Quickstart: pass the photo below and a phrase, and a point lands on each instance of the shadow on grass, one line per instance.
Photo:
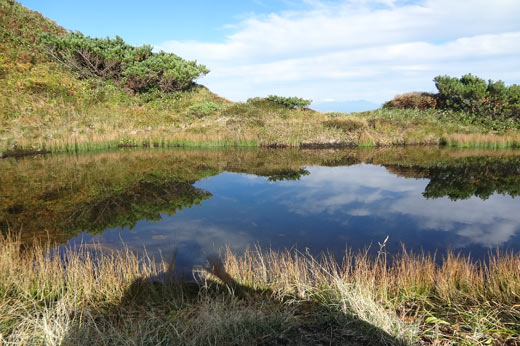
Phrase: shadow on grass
(216, 310)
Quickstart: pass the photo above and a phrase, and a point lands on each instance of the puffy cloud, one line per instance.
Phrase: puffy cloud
(361, 49)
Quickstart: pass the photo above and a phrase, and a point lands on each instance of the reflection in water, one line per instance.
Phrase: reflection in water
(464, 178)
(397, 205)
(427, 198)
(288, 174)
(144, 200)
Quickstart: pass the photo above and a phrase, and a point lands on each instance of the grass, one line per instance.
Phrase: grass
(409, 296)
(95, 296)
(483, 140)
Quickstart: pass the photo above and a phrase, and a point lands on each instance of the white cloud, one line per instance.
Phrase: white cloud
(193, 240)
(361, 49)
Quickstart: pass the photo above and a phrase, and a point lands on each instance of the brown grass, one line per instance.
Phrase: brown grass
(413, 100)
(409, 296)
(484, 140)
(87, 295)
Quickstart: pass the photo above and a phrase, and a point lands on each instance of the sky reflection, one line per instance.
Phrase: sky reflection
(328, 210)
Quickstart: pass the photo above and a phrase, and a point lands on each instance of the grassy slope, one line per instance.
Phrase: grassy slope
(43, 105)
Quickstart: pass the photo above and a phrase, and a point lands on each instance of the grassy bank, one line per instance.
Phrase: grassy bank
(88, 296)
(109, 124)
(46, 106)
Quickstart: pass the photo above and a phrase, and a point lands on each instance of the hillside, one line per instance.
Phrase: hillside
(46, 105)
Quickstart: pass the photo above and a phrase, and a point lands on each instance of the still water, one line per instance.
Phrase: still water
(196, 202)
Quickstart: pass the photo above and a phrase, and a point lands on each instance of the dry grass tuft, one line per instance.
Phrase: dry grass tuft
(83, 294)
(483, 140)
(408, 297)
(413, 100)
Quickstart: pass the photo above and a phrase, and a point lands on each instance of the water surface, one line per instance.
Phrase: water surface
(199, 201)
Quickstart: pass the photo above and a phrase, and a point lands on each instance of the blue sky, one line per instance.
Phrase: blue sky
(154, 22)
(343, 54)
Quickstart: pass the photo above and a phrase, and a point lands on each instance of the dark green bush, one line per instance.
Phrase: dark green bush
(471, 94)
(287, 102)
(136, 68)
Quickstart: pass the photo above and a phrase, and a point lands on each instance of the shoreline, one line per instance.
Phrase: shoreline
(173, 143)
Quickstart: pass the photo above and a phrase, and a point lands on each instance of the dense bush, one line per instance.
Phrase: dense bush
(413, 100)
(474, 95)
(205, 108)
(137, 68)
(472, 99)
(287, 102)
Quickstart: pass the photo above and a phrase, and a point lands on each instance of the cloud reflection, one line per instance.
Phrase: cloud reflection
(366, 190)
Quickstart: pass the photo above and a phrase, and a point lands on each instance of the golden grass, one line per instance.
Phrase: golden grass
(483, 140)
(87, 295)
(409, 296)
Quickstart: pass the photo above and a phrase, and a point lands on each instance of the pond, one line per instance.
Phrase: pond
(196, 202)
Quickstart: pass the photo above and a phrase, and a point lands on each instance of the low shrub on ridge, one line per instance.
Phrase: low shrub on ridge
(472, 99)
(472, 94)
(287, 102)
(136, 68)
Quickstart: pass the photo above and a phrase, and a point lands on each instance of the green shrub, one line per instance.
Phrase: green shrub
(287, 102)
(413, 100)
(136, 68)
(491, 100)
(206, 108)
(164, 70)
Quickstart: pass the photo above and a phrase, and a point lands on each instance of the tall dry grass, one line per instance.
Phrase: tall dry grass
(91, 296)
(409, 296)
(43, 293)
(483, 140)
(88, 295)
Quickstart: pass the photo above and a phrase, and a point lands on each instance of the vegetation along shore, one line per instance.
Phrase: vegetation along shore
(62, 91)
(92, 296)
